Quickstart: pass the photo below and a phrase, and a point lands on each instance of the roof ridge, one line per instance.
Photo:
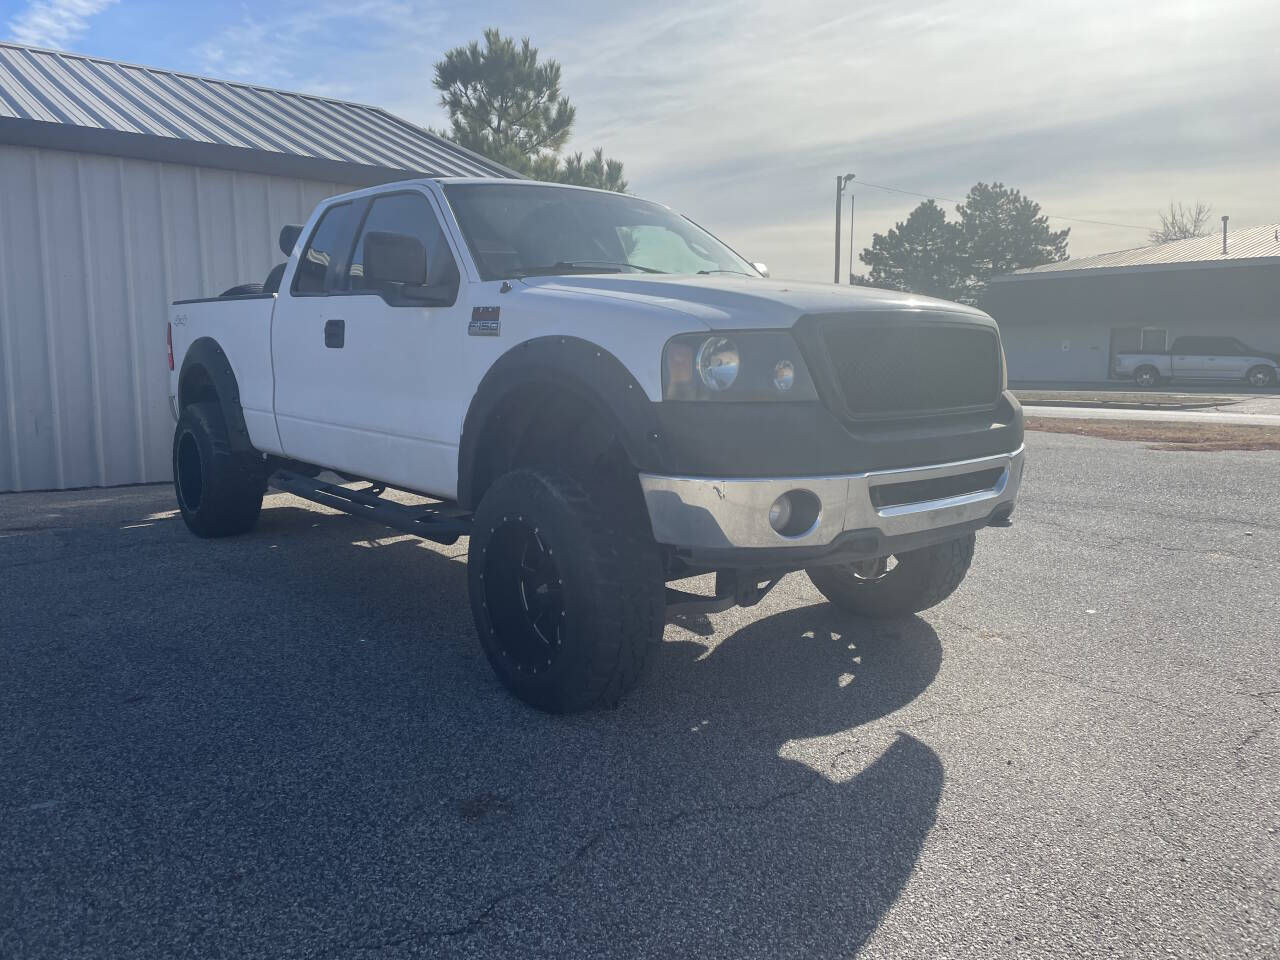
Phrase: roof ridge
(1106, 253)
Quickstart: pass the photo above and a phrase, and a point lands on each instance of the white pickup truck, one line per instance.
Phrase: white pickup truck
(1200, 358)
(606, 399)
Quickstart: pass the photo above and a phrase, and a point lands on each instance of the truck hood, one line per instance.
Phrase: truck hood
(725, 301)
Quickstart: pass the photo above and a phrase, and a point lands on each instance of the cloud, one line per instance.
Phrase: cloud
(742, 117)
(741, 112)
(55, 23)
(364, 50)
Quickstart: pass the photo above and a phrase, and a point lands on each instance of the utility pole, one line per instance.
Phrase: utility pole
(840, 185)
(853, 198)
(839, 191)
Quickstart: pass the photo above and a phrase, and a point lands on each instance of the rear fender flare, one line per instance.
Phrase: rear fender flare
(206, 357)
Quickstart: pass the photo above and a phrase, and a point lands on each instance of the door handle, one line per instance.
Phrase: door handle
(335, 333)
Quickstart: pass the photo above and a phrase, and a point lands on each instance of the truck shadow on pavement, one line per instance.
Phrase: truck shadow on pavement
(289, 744)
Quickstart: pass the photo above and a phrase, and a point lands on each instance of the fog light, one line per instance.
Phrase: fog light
(795, 514)
(780, 513)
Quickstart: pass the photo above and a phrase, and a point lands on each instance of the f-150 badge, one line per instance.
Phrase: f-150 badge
(485, 322)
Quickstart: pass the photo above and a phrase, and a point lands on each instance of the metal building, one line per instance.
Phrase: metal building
(1064, 322)
(123, 188)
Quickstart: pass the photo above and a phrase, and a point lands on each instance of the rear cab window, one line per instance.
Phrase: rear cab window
(323, 257)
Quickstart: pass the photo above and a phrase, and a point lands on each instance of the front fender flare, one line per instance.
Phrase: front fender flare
(570, 364)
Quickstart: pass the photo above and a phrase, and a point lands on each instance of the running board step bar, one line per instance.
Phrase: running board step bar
(440, 522)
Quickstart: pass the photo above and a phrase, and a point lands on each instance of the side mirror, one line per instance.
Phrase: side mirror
(395, 264)
(289, 234)
(764, 271)
(393, 258)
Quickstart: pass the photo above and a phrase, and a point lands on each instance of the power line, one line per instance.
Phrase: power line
(1051, 216)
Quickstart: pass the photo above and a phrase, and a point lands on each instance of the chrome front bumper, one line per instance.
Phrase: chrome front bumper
(713, 514)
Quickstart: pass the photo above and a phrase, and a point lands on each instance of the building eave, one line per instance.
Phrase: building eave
(1137, 268)
(141, 146)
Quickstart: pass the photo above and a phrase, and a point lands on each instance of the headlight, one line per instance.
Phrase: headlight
(742, 365)
(784, 375)
(717, 363)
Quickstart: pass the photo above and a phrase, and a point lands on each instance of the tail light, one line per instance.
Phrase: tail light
(168, 335)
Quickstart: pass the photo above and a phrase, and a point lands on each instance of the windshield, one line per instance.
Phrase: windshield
(522, 230)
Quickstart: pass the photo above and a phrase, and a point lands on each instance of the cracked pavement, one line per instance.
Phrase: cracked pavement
(290, 744)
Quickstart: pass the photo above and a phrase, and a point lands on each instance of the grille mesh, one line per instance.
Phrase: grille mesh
(904, 368)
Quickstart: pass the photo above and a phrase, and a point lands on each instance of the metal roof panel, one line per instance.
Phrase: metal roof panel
(95, 94)
(1247, 243)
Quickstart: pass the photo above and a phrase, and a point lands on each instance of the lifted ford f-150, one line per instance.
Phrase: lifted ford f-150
(606, 399)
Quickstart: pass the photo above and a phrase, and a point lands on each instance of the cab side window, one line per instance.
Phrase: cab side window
(1189, 346)
(405, 214)
(1217, 346)
(320, 260)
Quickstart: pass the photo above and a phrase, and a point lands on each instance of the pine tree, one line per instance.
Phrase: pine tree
(506, 104)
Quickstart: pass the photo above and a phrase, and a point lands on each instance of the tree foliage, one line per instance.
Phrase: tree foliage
(919, 254)
(1181, 222)
(998, 230)
(506, 104)
(1003, 231)
(598, 171)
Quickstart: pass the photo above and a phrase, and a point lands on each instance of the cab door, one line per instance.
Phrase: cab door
(1234, 360)
(1190, 359)
(307, 341)
(1219, 359)
(361, 384)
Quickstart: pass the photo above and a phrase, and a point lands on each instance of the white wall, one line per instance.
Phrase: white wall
(92, 251)
(1049, 352)
(1079, 352)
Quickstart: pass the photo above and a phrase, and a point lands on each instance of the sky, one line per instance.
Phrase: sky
(741, 114)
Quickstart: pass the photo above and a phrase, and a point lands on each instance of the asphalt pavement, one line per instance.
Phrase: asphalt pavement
(289, 745)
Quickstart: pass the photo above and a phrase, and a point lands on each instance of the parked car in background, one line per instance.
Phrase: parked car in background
(1200, 358)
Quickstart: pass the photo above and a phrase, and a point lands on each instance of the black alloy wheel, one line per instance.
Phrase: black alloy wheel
(566, 589)
(526, 596)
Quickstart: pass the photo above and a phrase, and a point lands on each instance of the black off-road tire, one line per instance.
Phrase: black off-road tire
(219, 492)
(922, 579)
(595, 558)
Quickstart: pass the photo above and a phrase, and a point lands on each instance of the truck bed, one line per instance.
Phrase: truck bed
(241, 329)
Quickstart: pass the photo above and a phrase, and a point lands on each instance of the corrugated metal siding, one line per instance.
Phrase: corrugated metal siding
(92, 250)
(55, 87)
(1247, 244)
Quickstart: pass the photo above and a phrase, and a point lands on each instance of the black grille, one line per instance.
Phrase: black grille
(919, 491)
(905, 368)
